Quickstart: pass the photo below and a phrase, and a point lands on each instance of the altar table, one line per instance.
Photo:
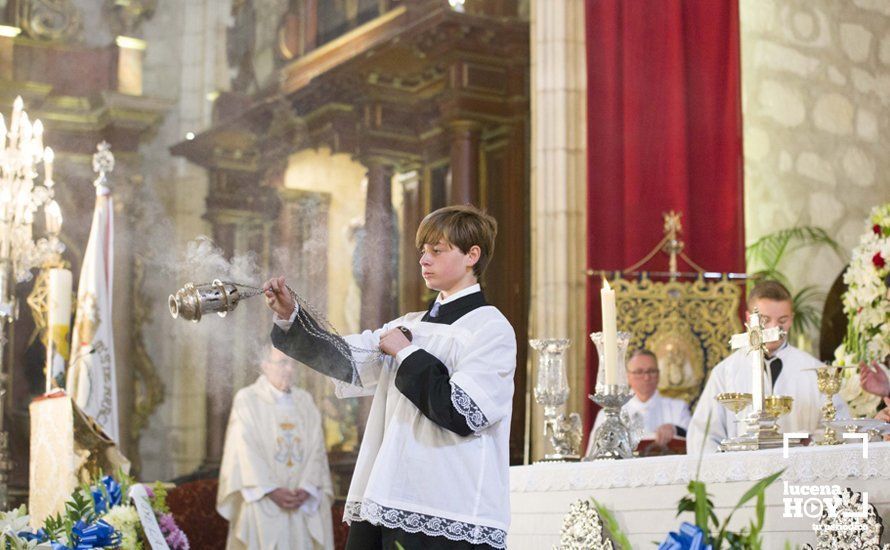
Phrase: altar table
(643, 493)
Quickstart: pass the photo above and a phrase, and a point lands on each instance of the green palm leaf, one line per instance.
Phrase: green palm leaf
(807, 304)
(611, 525)
(765, 255)
(769, 250)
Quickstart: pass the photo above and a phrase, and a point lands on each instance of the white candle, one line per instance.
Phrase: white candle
(58, 318)
(59, 300)
(53, 218)
(756, 368)
(17, 106)
(48, 157)
(610, 333)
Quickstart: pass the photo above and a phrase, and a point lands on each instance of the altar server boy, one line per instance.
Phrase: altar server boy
(432, 471)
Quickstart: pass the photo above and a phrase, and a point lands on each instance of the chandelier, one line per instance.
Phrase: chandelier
(21, 153)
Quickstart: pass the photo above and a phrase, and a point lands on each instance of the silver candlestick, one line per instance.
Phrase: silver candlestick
(552, 391)
(613, 439)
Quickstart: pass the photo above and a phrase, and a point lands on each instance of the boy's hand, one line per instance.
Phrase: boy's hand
(278, 297)
(393, 341)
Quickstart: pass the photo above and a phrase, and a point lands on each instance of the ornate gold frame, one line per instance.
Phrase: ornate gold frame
(686, 324)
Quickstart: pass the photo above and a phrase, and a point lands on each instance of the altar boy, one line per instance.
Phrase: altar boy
(432, 471)
(788, 372)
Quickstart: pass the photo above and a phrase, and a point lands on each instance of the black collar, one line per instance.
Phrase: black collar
(452, 311)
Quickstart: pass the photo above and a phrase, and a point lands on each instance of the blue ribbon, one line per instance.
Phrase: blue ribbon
(107, 495)
(87, 537)
(689, 537)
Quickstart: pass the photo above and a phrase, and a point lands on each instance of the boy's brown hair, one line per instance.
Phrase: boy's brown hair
(770, 290)
(462, 226)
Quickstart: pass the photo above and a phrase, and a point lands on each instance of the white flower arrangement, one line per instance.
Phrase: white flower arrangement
(125, 520)
(867, 306)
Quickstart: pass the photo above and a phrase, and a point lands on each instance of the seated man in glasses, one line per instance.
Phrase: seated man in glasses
(661, 418)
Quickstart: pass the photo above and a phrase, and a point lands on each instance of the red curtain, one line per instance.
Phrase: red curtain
(663, 132)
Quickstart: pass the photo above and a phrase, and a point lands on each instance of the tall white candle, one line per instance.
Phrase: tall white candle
(58, 318)
(610, 333)
(59, 297)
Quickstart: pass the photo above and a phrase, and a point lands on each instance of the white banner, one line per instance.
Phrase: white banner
(147, 517)
(91, 380)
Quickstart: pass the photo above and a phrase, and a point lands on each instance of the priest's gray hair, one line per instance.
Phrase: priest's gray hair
(643, 351)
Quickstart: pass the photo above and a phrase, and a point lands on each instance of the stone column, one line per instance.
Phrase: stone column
(558, 191)
(410, 282)
(465, 136)
(379, 270)
(219, 372)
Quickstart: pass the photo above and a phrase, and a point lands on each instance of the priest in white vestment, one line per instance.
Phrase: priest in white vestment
(660, 418)
(787, 372)
(275, 485)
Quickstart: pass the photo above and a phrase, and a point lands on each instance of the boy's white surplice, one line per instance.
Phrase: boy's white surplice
(414, 475)
(274, 439)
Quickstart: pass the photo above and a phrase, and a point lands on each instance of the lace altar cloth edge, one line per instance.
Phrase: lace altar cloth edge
(803, 465)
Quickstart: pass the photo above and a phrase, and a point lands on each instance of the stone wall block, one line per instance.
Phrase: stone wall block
(856, 41)
(868, 83)
(866, 125)
(859, 167)
(825, 208)
(811, 165)
(884, 50)
(836, 76)
(769, 55)
(805, 25)
(834, 113)
(880, 6)
(781, 103)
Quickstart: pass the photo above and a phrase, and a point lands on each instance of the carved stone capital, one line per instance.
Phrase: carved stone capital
(126, 16)
(52, 20)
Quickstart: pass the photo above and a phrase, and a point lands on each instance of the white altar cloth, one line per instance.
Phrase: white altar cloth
(643, 492)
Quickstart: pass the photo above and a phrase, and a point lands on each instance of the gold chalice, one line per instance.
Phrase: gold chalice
(734, 401)
(777, 405)
(828, 380)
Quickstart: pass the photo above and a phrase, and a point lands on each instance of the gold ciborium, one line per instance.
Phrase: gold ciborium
(777, 405)
(734, 401)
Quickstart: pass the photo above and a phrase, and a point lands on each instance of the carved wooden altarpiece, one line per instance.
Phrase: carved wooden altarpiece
(437, 97)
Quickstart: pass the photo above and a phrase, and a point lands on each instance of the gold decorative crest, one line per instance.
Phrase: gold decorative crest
(686, 324)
